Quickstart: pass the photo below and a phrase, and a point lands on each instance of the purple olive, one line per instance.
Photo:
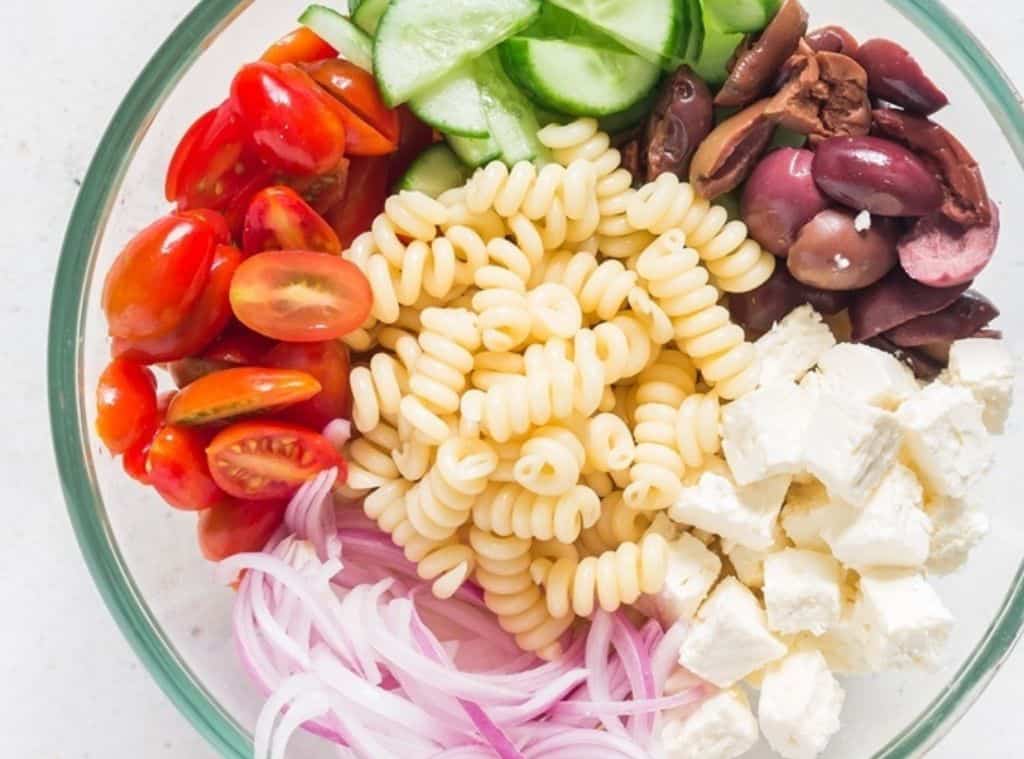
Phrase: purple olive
(894, 301)
(921, 361)
(780, 197)
(895, 76)
(682, 117)
(829, 252)
(759, 309)
(963, 318)
(833, 39)
(940, 253)
(876, 175)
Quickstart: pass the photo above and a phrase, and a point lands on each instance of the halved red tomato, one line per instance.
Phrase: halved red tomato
(327, 361)
(126, 406)
(267, 460)
(238, 526)
(300, 46)
(323, 190)
(278, 219)
(177, 467)
(368, 187)
(239, 392)
(134, 462)
(371, 128)
(300, 296)
(240, 346)
(216, 220)
(207, 318)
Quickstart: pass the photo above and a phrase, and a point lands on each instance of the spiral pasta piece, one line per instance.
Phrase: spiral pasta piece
(491, 368)
(370, 462)
(618, 524)
(609, 443)
(550, 461)
(737, 263)
(486, 224)
(377, 391)
(442, 502)
(504, 318)
(698, 429)
(553, 311)
(509, 509)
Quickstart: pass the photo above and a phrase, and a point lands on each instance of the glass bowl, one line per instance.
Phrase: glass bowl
(143, 555)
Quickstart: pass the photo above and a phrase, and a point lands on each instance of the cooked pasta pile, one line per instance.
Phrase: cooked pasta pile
(543, 370)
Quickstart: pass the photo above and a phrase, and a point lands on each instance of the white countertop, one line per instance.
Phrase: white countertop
(70, 688)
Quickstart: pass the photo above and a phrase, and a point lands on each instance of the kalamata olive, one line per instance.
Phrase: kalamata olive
(895, 76)
(681, 119)
(940, 253)
(963, 318)
(727, 155)
(876, 175)
(832, 39)
(780, 197)
(894, 301)
(630, 152)
(831, 254)
(925, 366)
(759, 309)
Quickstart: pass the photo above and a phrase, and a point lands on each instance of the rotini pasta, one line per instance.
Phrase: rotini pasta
(370, 464)
(509, 509)
(698, 429)
(609, 444)
(736, 262)
(618, 524)
(377, 391)
(550, 461)
(442, 501)
(553, 312)
(492, 368)
(504, 318)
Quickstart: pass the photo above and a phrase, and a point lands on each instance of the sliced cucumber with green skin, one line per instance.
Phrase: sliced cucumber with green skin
(741, 15)
(695, 44)
(579, 80)
(510, 115)
(474, 152)
(435, 170)
(419, 42)
(353, 6)
(650, 28)
(631, 117)
(453, 106)
(367, 16)
(348, 39)
(559, 24)
(719, 46)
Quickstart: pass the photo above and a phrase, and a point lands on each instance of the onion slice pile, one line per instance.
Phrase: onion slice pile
(334, 626)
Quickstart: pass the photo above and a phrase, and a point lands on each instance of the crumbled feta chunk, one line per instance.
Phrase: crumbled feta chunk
(763, 432)
(692, 571)
(946, 439)
(862, 373)
(904, 621)
(802, 591)
(723, 727)
(808, 511)
(957, 528)
(800, 705)
(850, 446)
(793, 346)
(748, 563)
(892, 530)
(985, 367)
(844, 644)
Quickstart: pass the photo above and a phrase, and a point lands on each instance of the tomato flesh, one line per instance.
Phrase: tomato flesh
(328, 361)
(238, 526)
(215, 220)
(238, 392)
(126, 406)
(300, 46)
(240, 346)
(177, 467)
(267, 460)
(368, 188)
(279, 219)
(322, 191)
(358, 90)
(300, 296)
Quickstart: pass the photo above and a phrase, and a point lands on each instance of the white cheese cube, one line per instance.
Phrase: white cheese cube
(905, 623)
(800, 705)
(763, 432)
(985, 367)
(802, 591)
(692, 571)
(808, 511)
(865, 374)
(946, 439)
(745, 515)
(748, 563)
(723, 727)
(958, 527)
(850, 446)
(892, 530)
(844, 645)
(793, 346)
(730, 638)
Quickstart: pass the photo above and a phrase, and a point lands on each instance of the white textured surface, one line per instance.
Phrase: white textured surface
(70, 688)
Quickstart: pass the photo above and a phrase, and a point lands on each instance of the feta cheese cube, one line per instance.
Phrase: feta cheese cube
(808, 511)
(692, 571)
(958, 527)
(946, 439)
(730, 638)
(865, 374)
(723, 727)
(844, 644)
(800, 705)
(793, 346)
(850, 446)
(745, 515)
(802, 591)
(892, 530)
(748, 563)
(985, 367)
(763, 432)
(905, 623)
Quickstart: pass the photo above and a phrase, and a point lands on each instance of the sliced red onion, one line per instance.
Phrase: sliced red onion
(338, 432)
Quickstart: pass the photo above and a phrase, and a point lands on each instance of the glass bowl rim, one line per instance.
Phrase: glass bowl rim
(67, 412)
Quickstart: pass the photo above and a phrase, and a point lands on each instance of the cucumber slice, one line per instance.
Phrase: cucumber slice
(714, 58)
(437, 169)
(510, 115)
(453, 106)
(695, 43)
(650, 28)
(579, 80)
(353, 6)
(341, 34)
(419, 42)
(741, 15)
(559, 24)
(367, 16)
(474, 152)
(631, 117)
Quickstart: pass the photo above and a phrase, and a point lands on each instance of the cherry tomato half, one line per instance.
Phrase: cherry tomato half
(240, 346)
(295, 126)
(301, 46)
(371, 128)
(266, 460)
(327, 361)
(239, 392)
(238, 526)
(323, 191)
(158, 277)
(300, 296)
(216, 220)
(185, 371)
(126, 406)
(368, 183)
(206, 319)
(177, 467)
(278, 219)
